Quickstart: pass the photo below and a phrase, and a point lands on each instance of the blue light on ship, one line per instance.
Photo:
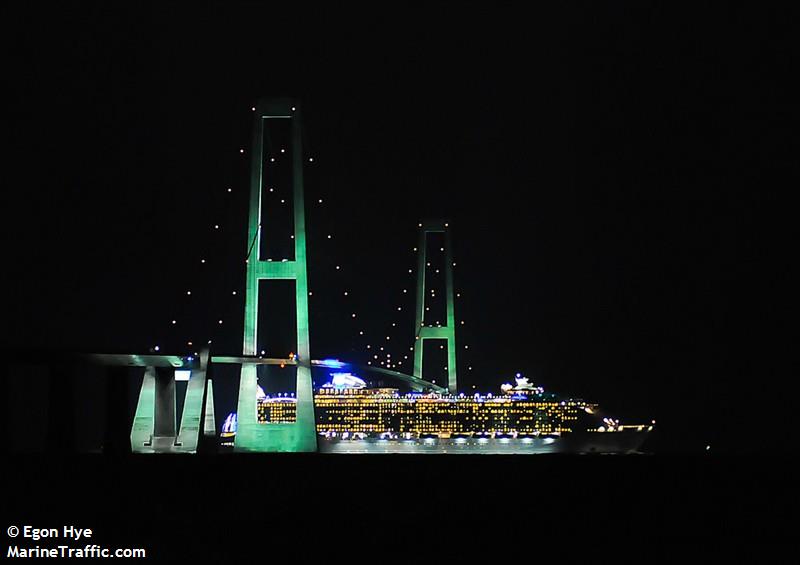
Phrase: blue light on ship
(330, 363)
(345, 380)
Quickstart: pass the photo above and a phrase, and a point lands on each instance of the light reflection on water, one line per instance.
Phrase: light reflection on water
(433, 445)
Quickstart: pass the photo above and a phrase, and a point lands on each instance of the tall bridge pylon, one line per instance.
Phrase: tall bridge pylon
(251, 435)
(423, 329)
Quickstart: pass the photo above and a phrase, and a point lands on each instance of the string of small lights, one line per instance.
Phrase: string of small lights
(390, 358)
(188, 333)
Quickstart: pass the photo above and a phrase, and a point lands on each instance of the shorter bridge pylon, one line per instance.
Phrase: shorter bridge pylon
(423, 330)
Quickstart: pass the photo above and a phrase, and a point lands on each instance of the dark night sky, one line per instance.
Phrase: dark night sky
(607, 171)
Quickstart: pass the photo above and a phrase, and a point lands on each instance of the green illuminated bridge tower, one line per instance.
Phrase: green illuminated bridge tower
(423, 329)
(299, 436)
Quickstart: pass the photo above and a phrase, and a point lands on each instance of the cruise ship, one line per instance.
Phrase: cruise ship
(522, 418)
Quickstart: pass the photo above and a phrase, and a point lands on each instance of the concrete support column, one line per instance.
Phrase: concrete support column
(209, 421)
(165, 406)
(143, 425)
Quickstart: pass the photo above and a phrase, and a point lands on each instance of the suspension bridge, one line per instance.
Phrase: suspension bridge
(155, 429)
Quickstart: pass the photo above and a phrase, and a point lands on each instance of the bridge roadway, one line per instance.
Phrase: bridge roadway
(191, 362)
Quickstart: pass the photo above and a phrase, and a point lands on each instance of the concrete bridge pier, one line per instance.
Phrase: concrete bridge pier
(154, 425)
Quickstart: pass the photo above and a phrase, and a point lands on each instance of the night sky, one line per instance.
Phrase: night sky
(607, 172)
